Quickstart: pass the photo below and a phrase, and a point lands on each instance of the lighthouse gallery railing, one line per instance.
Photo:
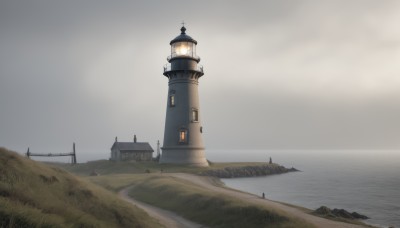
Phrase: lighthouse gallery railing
(167, 67)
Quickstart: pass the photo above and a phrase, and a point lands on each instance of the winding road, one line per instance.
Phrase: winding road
(166, 218)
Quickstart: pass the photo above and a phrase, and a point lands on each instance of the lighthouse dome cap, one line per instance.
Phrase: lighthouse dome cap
(183, 37)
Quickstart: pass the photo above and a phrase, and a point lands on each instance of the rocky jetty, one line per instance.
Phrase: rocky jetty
(338, 213)
(248, 171)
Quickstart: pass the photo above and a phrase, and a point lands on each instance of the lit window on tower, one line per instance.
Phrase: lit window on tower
(172, 100)
(183, 136)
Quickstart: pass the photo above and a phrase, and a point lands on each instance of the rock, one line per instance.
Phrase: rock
(247, 171)
(94, 173)
(359, 216)
(338, 213)
(342, 213)
(323, 210)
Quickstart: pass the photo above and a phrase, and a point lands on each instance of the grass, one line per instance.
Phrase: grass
(117, 175)
(36, 195)
(196, 203)
(105, 167)
(33, 194)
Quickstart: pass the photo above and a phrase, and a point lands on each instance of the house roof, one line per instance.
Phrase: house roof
(132, 146)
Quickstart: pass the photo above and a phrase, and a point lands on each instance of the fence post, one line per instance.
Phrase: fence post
(74, 155)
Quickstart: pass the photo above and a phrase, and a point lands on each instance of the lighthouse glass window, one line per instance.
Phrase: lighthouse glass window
(172, 100)
(195, 115)
(183, 48)
(183, 136)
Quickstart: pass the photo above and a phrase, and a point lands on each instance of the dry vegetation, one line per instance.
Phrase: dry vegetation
(105, 167)
(196, 203)
(33, 194)
(36, 195)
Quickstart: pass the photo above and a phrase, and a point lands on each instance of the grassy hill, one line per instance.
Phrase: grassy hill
(198, 204)
(36, 195)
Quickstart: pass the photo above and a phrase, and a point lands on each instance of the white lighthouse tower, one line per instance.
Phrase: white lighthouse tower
(183, 142)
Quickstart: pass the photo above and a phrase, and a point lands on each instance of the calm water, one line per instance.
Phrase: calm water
(364, 181)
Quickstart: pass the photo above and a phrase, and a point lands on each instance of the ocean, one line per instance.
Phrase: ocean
(365, 181)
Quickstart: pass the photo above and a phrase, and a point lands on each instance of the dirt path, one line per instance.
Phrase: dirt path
(166, 218)
(317, 221)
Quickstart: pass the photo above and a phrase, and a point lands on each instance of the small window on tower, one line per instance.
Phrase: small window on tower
(183, 135)
(195, 115)
(172, 100)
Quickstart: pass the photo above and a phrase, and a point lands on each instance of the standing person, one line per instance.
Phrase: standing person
(263, 195)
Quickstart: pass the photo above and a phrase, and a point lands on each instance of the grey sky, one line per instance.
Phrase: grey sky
(278, 74)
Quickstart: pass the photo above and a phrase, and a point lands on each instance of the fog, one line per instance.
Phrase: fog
(278, 74)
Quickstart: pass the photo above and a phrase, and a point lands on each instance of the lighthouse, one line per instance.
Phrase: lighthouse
(183, 142)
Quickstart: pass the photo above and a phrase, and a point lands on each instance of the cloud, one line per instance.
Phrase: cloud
(278, 74)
